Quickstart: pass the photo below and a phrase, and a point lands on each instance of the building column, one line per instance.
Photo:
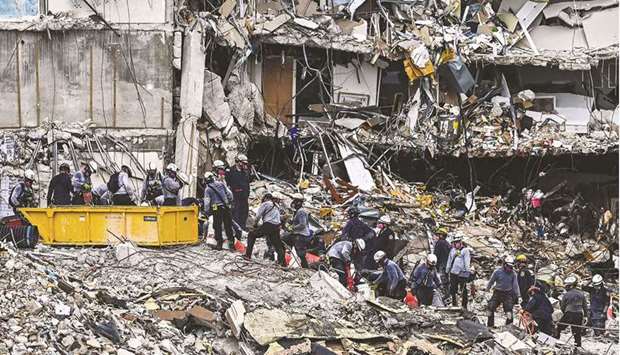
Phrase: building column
(192, 87)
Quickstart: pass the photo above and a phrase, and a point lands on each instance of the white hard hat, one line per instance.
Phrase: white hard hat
(379, 255)
(218, 164)
(385, 219)
(209, 175)
(93, 166)
(172, 167)
(360, 244)
(431, 259)
(510, 260)
(597, 280)
(29, 174)
(457, 237)
(241, 157)
(571, 280)
(298, 196)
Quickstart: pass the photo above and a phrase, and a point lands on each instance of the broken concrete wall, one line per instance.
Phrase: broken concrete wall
(355, 82)
(76, 75)
(114, 11)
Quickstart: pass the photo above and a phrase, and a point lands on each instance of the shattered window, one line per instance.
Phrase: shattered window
(10, 9)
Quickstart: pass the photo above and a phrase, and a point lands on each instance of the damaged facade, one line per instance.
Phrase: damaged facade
(450, 116)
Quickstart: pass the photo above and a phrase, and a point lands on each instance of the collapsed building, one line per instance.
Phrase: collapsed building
(475, 102)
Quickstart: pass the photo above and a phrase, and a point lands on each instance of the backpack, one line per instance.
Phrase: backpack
(113, 185)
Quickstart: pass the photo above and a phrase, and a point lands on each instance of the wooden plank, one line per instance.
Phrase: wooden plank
(277, 90)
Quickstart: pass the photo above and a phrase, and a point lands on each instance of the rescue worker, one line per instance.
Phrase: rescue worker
(458, 270)
(101, 195)
(574, 307)
(219, 169)
(599, 302)
(171, 186)
(341, 255)
(525, 278)
(60, 188)
(300, 234)
(540, 309)
(384, 240)
(22, 194)
(355, 228)
(424, 280)
(238, 180)
(217, 202)
(505, 291)
(81, 182)
(391, 283)
(442, 250)
(124, 195)
(269, 213)
(151, 187)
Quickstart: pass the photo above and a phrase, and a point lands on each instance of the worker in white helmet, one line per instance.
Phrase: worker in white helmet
(505, 287)
(391, 282)
(219, 169)
(599, 302)
(82, 183)
(383, 239)
(298, 234)
(341, 255)
(171, 186)
(459, 270)
(238, 180)
(22, 194)
(574, 307)
(424, 280)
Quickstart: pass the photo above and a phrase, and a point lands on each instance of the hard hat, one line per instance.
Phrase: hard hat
(597, 280)
(379, 255)
(521, 258)
(510, 260)
(209, 176)
(385, 219)
(457, 237)
(64, 166)
(360, 244)
(571, 280)
(241, 158)
(172, 167)
(218, 164)
(431, 259)
(93, 166)
(297, 196)
(29, 174)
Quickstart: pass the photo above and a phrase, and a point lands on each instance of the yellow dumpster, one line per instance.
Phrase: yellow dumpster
(91, 225)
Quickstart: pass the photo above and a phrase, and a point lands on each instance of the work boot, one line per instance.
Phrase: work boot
(218, 246)
(508, 318)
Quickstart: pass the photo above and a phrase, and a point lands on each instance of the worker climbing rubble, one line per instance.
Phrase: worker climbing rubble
(22, 194)
(82, 183)
(238, 180)
(344, 253)
(539, 309)
(525, 278)
(355, 228)
(267, 224)
(505, 287)
(217, 203)
(424, 280)
(459, 270)
(599, 303)
(383, 240)
(391, 282)
(574, 308)
(298, 235)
